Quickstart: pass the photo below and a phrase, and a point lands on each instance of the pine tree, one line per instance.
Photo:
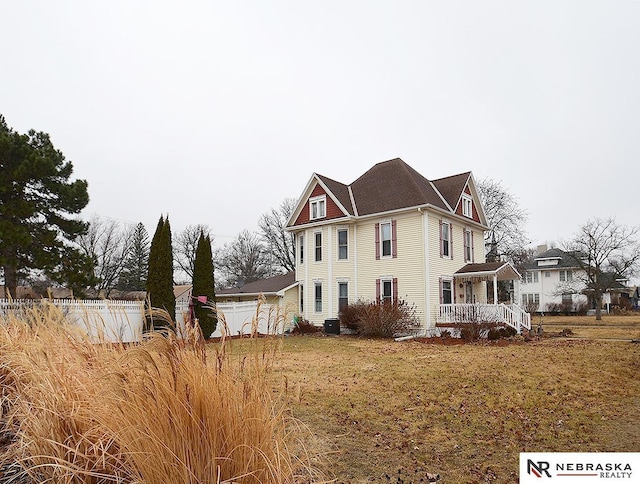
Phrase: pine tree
(134, 274)
(37, 200)
(160, 276)
(203, 290)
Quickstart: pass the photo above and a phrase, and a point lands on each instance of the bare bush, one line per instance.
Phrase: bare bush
(302, 326)
(380, 319)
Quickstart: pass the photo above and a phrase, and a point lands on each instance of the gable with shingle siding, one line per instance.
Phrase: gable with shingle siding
(332, 209)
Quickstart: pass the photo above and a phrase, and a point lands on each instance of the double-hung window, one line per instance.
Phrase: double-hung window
(468, 246)
(301, 248)
(318, 246)
(386, 239)
(445, 239)
(317, 287)
(446, 291)
(318, 207)
(467, 206)
(566, 276)
(301, 289)
(531, 301)
(343, 296)
(343, 249)
(387, 289)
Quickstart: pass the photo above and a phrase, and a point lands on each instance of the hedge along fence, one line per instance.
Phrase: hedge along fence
(102, 319)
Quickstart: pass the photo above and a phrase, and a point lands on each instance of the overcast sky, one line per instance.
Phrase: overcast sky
(214, 112)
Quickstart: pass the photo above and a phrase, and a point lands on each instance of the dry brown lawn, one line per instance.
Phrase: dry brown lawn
(372, 408)
(611, 326)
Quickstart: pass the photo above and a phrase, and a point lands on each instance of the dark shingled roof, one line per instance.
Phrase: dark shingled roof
(481, 267)
(565, 260)
(340, 190)
(270, 285)
(392, 185)
(503, 270)
(451, 187)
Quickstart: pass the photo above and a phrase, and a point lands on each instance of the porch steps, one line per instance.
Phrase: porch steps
(500, 314)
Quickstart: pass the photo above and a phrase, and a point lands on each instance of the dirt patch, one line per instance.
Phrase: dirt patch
(441, 341)
(460, 341)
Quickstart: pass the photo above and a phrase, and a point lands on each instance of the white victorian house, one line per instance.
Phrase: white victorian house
(394, 234)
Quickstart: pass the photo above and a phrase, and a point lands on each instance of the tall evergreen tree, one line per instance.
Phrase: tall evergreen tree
(160, 276)
(36, 199)
(203, 290)
(136, 266)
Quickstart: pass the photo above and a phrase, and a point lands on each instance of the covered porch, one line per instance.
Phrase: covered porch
(472, 280)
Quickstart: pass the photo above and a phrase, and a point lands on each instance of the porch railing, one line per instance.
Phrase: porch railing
(509, 314)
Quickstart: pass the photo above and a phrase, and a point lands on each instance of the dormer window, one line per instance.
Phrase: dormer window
(467, 206)
(317, 207)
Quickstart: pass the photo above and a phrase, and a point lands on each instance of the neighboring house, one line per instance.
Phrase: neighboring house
(273, 300)
(551, 282)
(554, 282)
(394, 235)
(618, 293)
(182, 294)
(28, 292)
(280, 290)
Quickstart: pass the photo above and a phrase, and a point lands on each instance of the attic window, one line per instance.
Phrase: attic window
(317, 207)
(467, 206)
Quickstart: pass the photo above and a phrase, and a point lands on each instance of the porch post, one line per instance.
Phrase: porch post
(495, 289)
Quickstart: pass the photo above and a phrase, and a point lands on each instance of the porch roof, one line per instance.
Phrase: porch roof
(502, 271)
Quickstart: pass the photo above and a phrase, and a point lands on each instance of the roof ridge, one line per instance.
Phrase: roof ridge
(442, 197)
(412, 173)
(452, 176)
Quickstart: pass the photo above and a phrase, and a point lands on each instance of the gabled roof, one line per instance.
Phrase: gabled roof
(269, 286)
(181, 289)
(341, 192)
(27, 292)
(504, 271)
(613, 281)
(388, 186)
(451, 187)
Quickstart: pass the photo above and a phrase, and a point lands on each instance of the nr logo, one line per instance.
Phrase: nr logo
(538, 468)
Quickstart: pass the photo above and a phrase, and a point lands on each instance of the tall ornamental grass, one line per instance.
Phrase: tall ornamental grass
(166, 410)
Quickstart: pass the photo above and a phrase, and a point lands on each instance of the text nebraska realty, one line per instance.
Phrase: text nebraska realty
(573, 469)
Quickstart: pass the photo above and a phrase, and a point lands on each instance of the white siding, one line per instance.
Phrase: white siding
(418, 266)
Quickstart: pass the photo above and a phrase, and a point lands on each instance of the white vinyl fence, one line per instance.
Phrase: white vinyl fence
(102, 319)
(240, 318)
(122, 321)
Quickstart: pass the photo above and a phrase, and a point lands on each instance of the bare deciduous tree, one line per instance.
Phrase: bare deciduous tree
(107, 243)
(185, 244)
(605, 253)
(243, 260)
(506, 237)
(279, 243)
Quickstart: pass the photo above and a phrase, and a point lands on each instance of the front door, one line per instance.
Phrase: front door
(468, 292)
